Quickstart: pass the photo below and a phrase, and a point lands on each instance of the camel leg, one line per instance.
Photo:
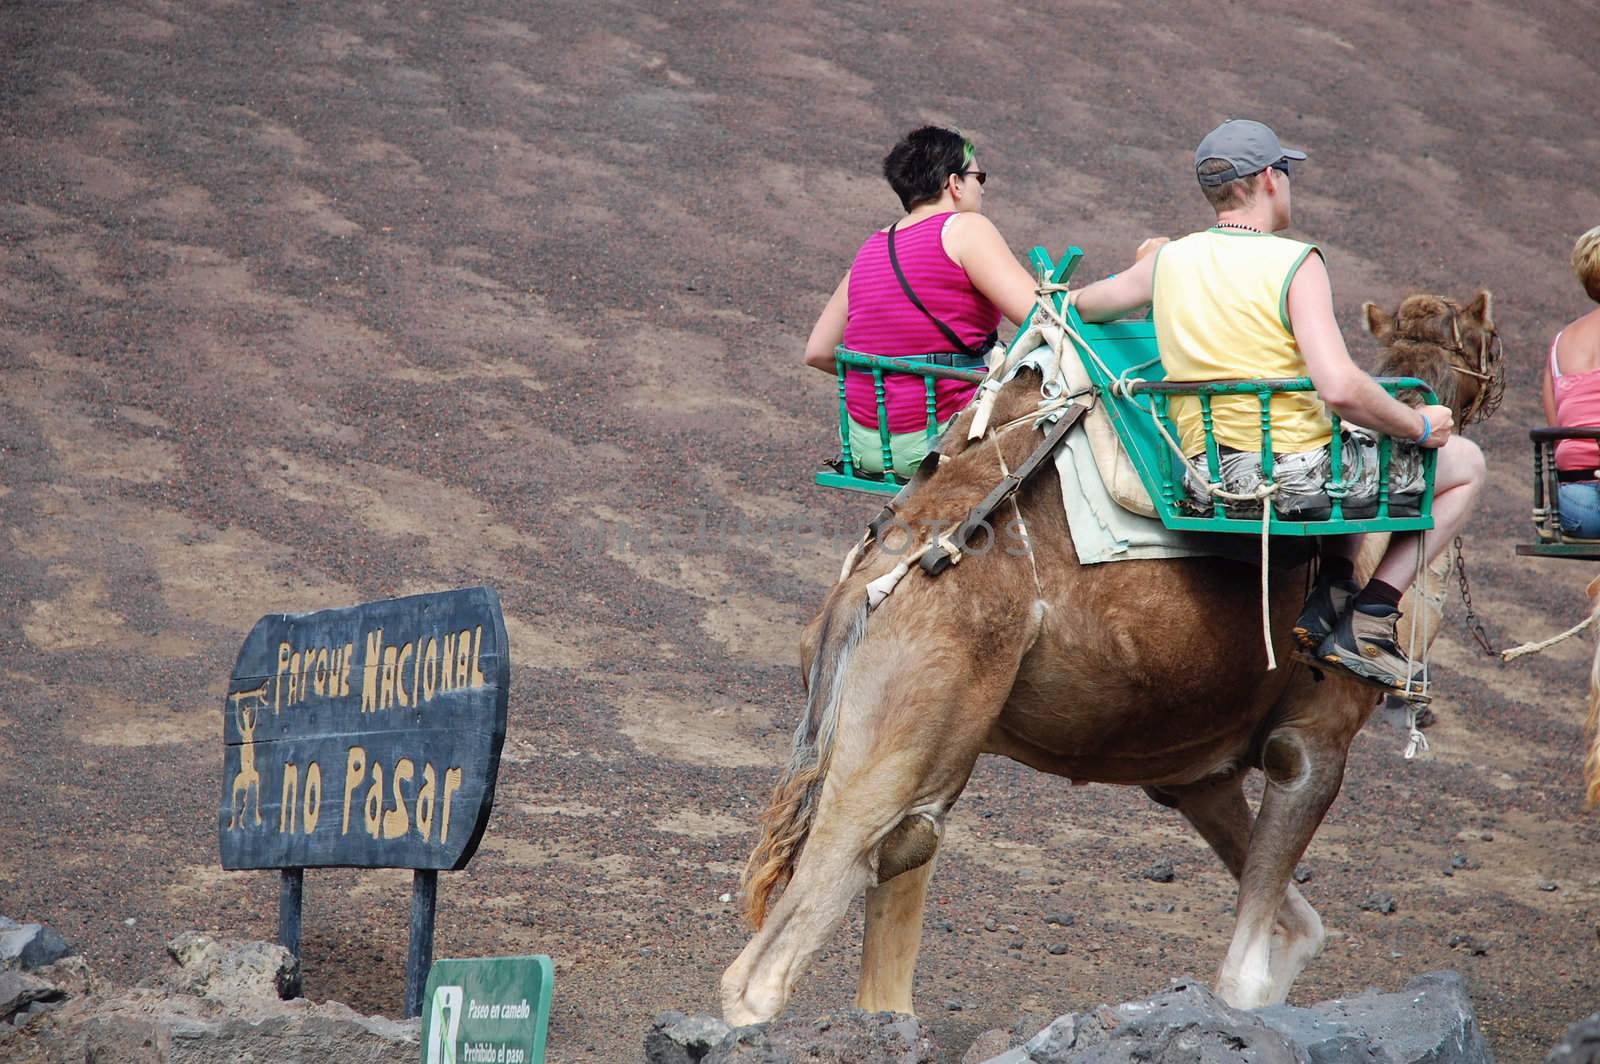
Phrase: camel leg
(827, 877)
(893, 937)
(838, 863)
(1304, 768)
(909, 732)
(1218, 811)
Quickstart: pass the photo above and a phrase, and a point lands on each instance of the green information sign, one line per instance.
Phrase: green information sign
(487, 1010)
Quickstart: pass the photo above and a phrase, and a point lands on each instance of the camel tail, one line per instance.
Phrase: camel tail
(787, 819)
(1591, 731)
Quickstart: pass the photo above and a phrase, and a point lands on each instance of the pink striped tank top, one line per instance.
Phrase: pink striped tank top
(1577, 407)
(880, 320)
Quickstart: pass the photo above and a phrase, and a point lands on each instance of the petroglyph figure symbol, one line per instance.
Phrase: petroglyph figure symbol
(246, 707)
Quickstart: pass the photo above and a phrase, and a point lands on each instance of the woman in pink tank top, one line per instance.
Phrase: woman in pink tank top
(956, 264)
(1572, 399)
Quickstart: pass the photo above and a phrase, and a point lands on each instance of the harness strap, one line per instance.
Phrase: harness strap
(939, 557)
(876, 525)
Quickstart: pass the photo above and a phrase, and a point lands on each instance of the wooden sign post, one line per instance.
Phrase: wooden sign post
(366, 737)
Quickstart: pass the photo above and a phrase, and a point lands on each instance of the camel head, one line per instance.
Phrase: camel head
(1455, 348)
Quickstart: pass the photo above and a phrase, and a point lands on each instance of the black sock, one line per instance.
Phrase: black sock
(1378, 598)
(1336, 567)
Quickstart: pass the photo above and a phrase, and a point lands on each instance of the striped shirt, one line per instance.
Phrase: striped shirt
(881, 320)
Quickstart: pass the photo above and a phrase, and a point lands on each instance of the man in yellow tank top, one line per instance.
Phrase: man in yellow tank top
(1238, 301)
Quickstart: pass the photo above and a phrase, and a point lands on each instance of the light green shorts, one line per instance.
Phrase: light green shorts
(907, 448)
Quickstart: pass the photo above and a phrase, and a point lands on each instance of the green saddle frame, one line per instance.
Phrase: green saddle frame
(844, 472)
(1130, 383)
(1550, 540)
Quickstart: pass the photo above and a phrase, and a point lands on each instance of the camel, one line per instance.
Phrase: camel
(1471, 383)
(1591, 727)
(1144, 673)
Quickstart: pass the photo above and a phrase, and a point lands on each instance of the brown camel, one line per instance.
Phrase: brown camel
(1142, 672)
(1432, 338)
(1591, 727)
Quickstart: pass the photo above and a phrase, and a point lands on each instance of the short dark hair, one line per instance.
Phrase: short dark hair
(1236, 193)
(919, 165)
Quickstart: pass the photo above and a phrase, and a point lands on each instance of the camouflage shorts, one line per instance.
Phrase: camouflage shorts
(1302, 480)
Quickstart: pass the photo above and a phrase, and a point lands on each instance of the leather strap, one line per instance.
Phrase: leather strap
(955, 360)
(936, 559)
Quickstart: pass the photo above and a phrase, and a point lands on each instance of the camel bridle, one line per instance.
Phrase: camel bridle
(1485, 368)
(1482, 365)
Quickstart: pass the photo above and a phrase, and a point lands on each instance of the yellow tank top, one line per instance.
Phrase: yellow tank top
(1221, 311)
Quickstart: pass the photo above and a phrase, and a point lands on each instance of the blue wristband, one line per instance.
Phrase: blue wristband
(1427, 430)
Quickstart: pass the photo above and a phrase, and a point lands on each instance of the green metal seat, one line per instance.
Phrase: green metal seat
(1551, 541)
(1129, 380)
(845, 471)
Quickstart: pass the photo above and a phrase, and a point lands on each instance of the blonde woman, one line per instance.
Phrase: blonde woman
(1572, 398)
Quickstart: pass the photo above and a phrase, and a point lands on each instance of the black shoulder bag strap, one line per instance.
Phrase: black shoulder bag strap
(949, 333)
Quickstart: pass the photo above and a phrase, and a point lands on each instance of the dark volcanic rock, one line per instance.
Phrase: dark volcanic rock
(1160, 872)
(854, 1037)
(19, 991)
(1186, 1023)
(1580, 1045)
(1430, 1021)
(1378, 902)
(29, 946)
(678, 1039)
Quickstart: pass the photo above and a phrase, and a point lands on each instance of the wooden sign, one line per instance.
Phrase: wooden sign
(367, 736)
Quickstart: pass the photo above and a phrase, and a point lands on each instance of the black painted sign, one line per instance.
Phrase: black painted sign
(367, 736)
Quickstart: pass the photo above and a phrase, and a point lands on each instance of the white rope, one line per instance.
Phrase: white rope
(1021, 524)
(1039, 413)
(880, 588)
(989, 390)
(1534, 648)
(851, 559)
(1265, 493)
(1418, 613)
(1415, 740)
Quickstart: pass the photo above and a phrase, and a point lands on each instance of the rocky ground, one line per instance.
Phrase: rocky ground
(222, 1001)
(308, 304)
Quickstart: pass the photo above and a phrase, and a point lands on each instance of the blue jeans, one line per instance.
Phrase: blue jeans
(1580, 509)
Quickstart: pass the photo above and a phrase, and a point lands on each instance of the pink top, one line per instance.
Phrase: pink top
(1577, 407)
(882, 321)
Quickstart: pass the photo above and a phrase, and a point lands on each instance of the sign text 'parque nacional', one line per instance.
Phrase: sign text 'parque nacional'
(367, 736)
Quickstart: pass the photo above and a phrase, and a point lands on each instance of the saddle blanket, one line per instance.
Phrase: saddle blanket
(1103, 530)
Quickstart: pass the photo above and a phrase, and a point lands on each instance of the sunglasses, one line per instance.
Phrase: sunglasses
(1282, 166)
(981, 175)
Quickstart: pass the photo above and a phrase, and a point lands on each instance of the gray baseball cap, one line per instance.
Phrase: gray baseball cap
(1249, 147)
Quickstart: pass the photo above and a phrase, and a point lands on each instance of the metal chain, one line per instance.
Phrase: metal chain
(1474, 626)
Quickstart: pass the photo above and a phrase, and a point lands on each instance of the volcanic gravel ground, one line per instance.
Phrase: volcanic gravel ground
(308, 304)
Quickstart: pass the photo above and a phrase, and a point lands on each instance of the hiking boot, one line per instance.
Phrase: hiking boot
(1327, 603)
(1368, 646)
